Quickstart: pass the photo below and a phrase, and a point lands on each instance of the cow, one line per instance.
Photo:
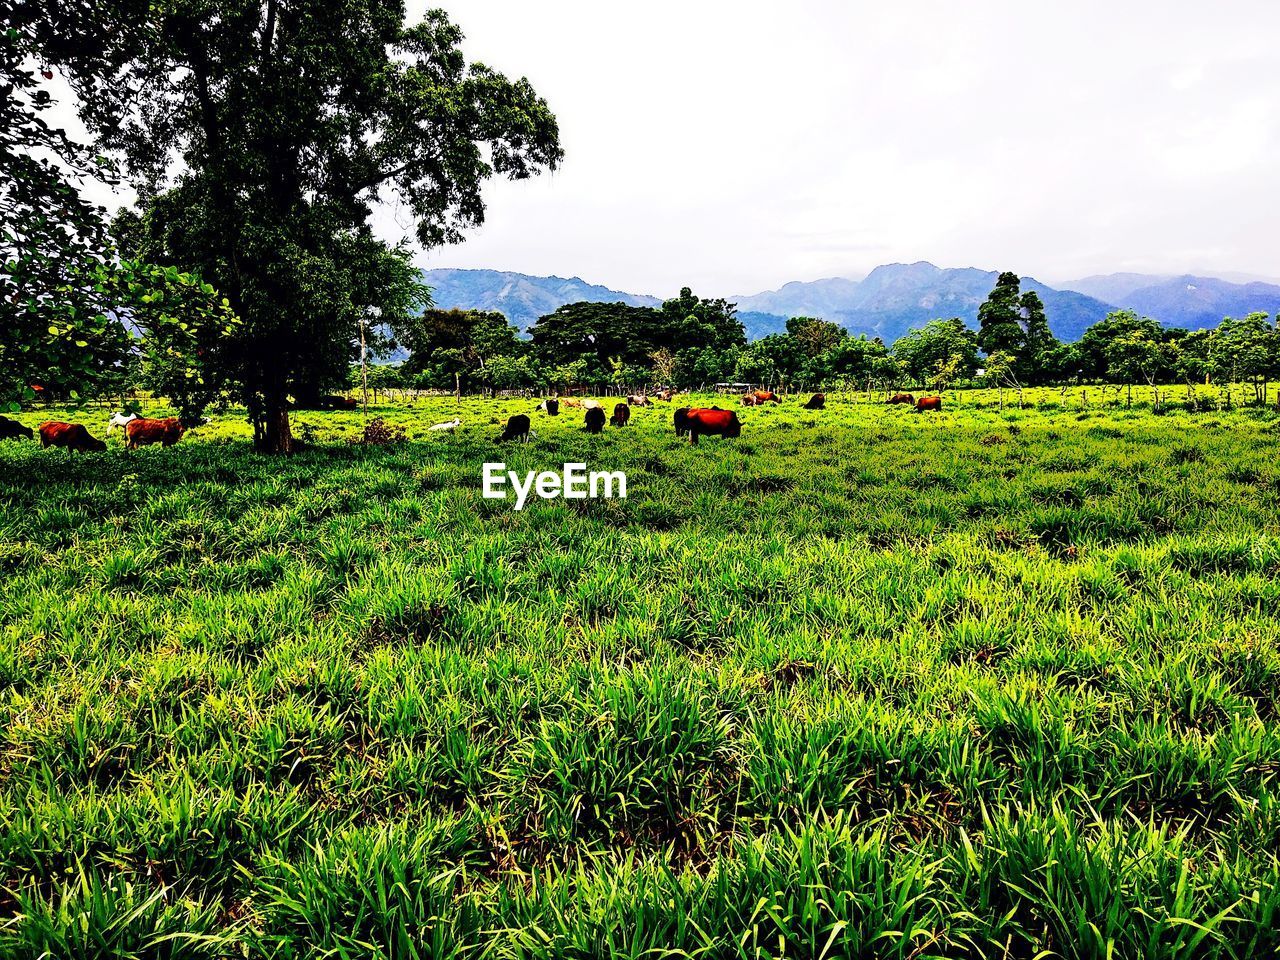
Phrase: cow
(142, 432)
(120, 420)
(638, 400)
(817, 402)
(664, 395)
(517, 428)
(12, 430)
(928, 403)
(765, 396)
(592, 405)
(572, 402)
(621, 414)
(447, 427)
(681, 420)
(749, 400)
(550, 406)
(72, 436)
(595, 419)
(710, 422)
(338, 402)
(906, 398)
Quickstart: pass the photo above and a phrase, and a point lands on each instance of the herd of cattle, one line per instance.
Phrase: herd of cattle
(138, 432)
(693, 422)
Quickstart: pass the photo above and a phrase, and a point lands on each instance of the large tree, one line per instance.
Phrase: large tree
(1000, 317)
(925, 351)
(260, 134)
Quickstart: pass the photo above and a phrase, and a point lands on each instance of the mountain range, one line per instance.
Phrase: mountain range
(889, 301)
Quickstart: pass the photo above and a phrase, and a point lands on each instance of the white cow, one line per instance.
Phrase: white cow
(120, 420)
(448, 425)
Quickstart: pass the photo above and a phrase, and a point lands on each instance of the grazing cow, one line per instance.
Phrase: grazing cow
(120, 420)
(906, 398)
(338, 402)
(550, 406)
(592, 405)
(638, 400)
(621, 414)
(572, 402)
(12, 430)
(817, 402)
(710, 422)
(765, 396)
(664, 395)
(928, 403)
(749, 400)
(517, 428)
(72, 436)
(142, 432)
(595, 419)
(447, 427)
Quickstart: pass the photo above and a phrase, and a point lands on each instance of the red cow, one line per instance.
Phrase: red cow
(72, 436)
(142, 432)
(765, 396)
(906, 398)
(928, 403)
(708, 422)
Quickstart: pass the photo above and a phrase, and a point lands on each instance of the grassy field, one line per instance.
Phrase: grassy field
(858, 683)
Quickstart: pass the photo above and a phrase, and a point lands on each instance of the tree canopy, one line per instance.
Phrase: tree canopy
(260, 133)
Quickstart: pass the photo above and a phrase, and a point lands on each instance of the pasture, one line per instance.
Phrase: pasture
(861, 682)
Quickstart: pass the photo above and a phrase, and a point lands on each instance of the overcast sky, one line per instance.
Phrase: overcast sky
(733, 146)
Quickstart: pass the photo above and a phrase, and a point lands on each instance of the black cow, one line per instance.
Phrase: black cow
(517, 428)
(12, 430)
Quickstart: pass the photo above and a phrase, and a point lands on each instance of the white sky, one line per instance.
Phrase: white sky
(733, 145)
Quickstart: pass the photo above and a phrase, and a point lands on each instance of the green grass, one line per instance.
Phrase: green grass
(858, 683)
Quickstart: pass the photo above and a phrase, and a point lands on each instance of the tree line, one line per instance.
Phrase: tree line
(689, 342)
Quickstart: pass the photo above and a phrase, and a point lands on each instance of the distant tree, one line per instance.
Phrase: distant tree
(775, 359)
(921, 351)
(599, 334)
(1246, 351)
(1095, 345)
(260, 134)
(1000, 318)
(1135, 355)
(1000, 372)
(815, 337)
(688, 321)
(1035, 363)
(457, 347)
(852, 360)
(664, 365)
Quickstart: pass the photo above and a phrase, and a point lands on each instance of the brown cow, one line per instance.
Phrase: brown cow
(12, 430)
(143, 432)
(765, 396)
(595, 419)
(638, 400)
(708, 422)
(928, 403)
(621, 414)
(572, 402)
(749, 400)
(817, 402)
(906, 398)
(664, 395)
(72, 436)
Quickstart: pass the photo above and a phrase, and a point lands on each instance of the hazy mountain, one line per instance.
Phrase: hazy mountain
(1113, 287)
(1185, 301)
(896, 297)
(520, 297)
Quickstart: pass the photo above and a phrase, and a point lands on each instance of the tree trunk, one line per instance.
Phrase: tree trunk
(271, 432)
